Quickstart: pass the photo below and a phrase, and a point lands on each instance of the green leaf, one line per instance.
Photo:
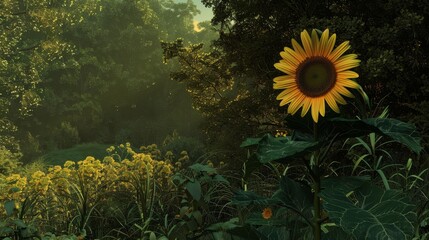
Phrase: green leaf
(404, 133)
(271, 148)
(9, 205)
(14, 190)
(295, 195)
(401, 132)
(336, 233)
(198, 217)
(223, 226)
(220, 179)
(370, 213)
(250, 142)
(6, 231)
(194, 188)
(197, 167)
(19, 223)
(339, 186)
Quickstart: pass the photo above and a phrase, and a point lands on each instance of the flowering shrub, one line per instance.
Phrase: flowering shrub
(65, 199)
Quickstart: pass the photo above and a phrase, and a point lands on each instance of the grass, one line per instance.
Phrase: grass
(76, 153)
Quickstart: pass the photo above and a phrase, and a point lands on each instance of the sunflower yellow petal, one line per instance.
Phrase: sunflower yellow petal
(323, 42)
(298, 57)
(284, 68)
(330, 45)
(295, 104)
(286, 92)
(338, 98)
(347, 74)
(342, 48)
(332, 103)
(289, 59)
(305, 106)
(322, 106)
(346, 58)
(343, 91)
(348, 83)
(284, 84)
(287, 98)
(347, 65)
(284, 78)
(315, 110)
(306, 42)
(298, 49)
(315, 42)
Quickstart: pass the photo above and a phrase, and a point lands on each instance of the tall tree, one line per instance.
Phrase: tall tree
(31, 39)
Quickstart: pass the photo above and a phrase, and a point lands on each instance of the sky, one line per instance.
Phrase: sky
(206, 13)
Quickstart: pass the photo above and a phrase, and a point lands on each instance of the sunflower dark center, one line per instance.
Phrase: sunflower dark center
(316, 76)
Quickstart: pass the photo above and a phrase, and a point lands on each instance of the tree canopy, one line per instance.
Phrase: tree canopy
(389, 37)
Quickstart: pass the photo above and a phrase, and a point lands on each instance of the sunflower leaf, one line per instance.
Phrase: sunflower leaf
(368, 212)
(270, 148)
(404, 133)
(295, 195)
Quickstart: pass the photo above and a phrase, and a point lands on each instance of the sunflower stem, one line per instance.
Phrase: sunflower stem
(316, 189)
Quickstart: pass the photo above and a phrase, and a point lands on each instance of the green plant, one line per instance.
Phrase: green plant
(203, 195)
(326, 206)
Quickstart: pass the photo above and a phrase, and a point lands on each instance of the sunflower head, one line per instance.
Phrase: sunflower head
(315, 73)
(267, 213)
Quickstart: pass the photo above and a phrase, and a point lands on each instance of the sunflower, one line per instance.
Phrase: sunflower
(315, 73)
(267, 213)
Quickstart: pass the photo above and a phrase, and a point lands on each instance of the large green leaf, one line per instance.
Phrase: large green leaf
(404, 133)
(339, 186)
(294, 195)
(369, 212)
(336, 233)
(401, 132)
(271, 148)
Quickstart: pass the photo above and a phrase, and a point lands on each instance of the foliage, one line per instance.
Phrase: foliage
(94, 75)
(251, 34)
(339, 205)
(31, 34)
(115, 83)
(203, 195)
(72, 197)
(9, 162)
